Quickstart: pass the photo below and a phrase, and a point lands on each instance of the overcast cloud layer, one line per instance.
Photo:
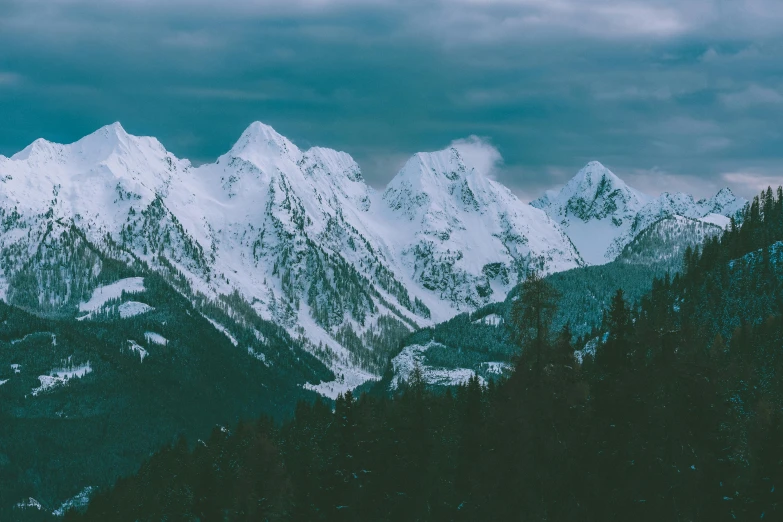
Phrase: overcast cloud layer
(670, 96)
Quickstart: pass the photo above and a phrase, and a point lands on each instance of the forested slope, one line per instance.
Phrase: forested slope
(677, 417)
(83, 402)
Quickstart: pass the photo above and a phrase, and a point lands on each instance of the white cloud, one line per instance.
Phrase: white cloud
(687, 126)
(752, 96)
(641, 17)
(194, 40)
(655, 181)
(712, 55)
(224, 94)
(744, 182)
(478, 153)
(626, 19)
(634, 93)
(750, 183)
(713, 143)
(452, 21)
(9, 78)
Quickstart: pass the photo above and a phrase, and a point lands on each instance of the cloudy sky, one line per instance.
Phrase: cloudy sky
(671, 95)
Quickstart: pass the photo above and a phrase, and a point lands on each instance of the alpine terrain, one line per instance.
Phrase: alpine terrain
(669, 410)
(145, 297)
(627, 238)
(295, 236)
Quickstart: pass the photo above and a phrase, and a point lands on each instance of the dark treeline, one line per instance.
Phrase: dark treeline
(676, 417)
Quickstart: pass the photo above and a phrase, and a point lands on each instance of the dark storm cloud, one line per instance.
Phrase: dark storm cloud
(669, 96)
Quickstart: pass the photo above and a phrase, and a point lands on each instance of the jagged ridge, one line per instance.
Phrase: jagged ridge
(296, 234)
(602, 214)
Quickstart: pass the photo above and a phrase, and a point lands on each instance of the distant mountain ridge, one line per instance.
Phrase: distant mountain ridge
(602, 214)
(295, 234)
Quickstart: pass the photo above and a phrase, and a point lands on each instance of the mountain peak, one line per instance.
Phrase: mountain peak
(594, 165)
(725, 194)
(596, 193)
(725, 202)
(40, 148)
(115, 130)
(106, 142)
(260, 142)
(99, 144)
(430, 179)
(113, 134)
(594, 173)
(594, 206)
(439, 165)
(260, 129)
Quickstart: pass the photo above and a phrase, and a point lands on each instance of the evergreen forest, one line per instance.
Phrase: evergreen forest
(676, 416)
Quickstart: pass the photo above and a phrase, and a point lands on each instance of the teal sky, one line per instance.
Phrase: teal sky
(670, 97)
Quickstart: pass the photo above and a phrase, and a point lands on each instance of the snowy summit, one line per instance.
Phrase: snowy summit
(601, 213)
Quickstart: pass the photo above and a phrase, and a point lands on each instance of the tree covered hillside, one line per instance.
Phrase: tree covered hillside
(677, 416)
(83, 402)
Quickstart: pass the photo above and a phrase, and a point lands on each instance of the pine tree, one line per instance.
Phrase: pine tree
(615, 352)
(531, 318)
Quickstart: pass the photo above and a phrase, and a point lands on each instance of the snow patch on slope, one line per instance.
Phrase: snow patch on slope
(61, 377)
(716, 219)
(104, 294)
(36, 334)
(260, 356)
(222, 329)
(136, 347)
(155, 338)
(497, 368)
(490, 320)
(30, 503)
(348, 378)
(133, 308)
(79, 500)
(413, 355)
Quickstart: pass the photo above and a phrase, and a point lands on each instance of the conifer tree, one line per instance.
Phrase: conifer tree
(531, 318)
(615, 352)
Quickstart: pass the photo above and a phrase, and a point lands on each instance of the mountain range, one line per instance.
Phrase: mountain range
(300, 238)
(135, 281)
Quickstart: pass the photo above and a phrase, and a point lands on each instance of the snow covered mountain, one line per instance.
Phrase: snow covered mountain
(594, 208)
(291, 236)
(463, 236)
(601, 214)
(297, 238)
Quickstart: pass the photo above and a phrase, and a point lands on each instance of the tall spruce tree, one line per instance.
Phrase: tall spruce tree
(531, 317)
(615, 352)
